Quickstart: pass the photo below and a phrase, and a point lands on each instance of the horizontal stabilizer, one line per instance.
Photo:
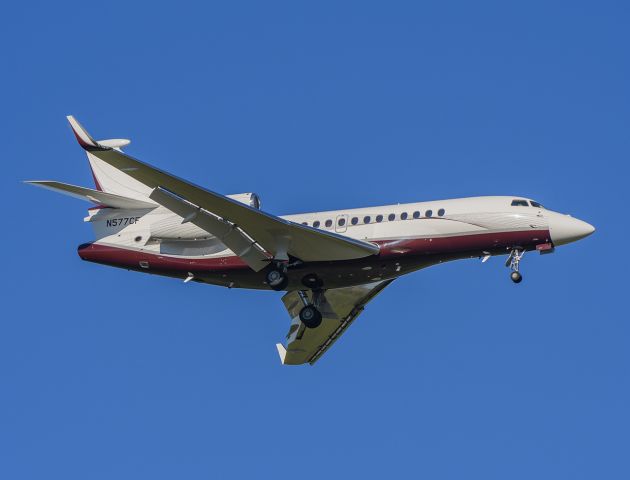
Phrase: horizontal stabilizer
(91, 195)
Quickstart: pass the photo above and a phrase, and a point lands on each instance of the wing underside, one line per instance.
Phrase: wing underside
(339, 308)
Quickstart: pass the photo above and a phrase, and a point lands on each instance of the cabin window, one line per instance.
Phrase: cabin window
(341, 222)
(441, 212)
(328, 223)
(367, 219)
(519, 203)
(391, 217)
(536, 204)
(416, 214)
(379, 218)
(316, 223)
(354, 220)
(403, 216)
(428, 213)
(305, 223)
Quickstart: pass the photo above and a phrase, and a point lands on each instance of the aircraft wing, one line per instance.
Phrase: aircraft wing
(339, 307)
(91, 195)
(275, 237)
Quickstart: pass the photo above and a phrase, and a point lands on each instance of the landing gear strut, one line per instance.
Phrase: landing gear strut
(513, 262)
(277, 277)
(310, 316)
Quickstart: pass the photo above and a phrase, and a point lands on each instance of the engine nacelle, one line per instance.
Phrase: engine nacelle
(171, 228)
(251, 199)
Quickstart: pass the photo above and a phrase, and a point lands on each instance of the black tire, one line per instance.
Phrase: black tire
(516, 277)
(310, 316)
(276, 279)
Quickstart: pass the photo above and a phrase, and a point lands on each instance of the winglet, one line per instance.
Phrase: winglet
(83, 137)
(281, 351)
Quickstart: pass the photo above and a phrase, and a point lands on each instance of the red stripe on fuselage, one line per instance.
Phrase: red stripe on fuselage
(495, 242)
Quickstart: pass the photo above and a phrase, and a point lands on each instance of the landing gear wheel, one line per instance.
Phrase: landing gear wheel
(276, 279)
(310, 316)
(513, 262)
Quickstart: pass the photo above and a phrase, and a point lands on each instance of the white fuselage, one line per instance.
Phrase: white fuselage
(162, 232)
(409, 237)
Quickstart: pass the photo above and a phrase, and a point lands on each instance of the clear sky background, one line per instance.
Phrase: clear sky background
(453, 372)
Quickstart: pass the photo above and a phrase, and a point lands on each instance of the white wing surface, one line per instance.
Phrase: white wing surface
(276, 237)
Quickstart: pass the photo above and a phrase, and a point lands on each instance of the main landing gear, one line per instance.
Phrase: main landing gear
(277, 277)
(513, 262)
(310, 315)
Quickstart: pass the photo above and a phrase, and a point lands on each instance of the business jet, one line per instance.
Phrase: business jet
(331, 264)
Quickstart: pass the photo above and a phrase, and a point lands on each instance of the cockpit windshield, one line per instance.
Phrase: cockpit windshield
(518, 202)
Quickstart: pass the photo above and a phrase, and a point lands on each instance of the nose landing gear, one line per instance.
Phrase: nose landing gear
(513, 262)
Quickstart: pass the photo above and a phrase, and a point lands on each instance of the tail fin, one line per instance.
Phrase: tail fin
(107, 178)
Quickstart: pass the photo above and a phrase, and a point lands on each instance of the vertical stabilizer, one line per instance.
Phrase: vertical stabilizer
(111, 180)
(107, 178)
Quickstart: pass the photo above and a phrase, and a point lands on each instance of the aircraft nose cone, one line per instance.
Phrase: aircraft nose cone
(565, 229)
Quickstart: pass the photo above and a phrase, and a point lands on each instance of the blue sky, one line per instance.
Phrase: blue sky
(453, 372)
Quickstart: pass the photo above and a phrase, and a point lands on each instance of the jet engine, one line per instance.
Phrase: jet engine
(251, 199)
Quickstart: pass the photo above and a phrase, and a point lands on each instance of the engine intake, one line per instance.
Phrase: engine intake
(251, 199)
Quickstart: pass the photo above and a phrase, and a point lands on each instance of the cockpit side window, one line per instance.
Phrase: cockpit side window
(536, 204)
(519, 203)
